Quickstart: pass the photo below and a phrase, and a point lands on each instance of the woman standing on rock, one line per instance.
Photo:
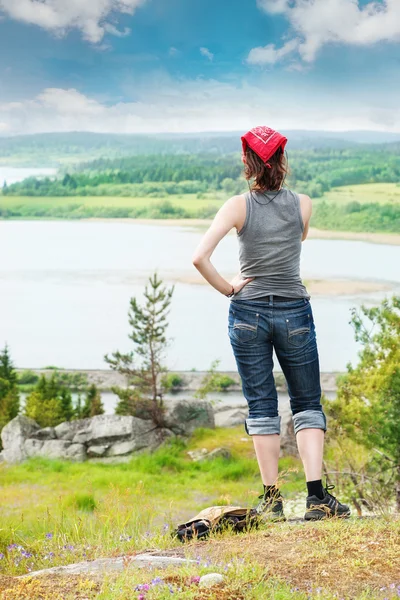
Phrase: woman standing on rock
(270, 309)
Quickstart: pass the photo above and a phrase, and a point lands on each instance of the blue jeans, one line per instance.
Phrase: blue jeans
(255, 327)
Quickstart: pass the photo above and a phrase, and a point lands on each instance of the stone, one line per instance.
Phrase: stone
(108, 428)
(184, 416)
(150, 440)
(288, 440)
(54, 448)
(99, 450)
(219, 453)
(47, 433)
(203, 454)
(198, 454)
(13, 437)
(68, 429)
(33, 447)
(121, 448)
(230, 418)
(76, 452)
(108, 565)
(210, 580)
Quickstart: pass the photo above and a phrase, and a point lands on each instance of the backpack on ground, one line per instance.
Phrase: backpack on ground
(217, 519)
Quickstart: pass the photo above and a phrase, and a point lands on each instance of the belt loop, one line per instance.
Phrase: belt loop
(271, 300)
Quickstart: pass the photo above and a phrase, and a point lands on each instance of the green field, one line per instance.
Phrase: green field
(381, 193)
(372, 208)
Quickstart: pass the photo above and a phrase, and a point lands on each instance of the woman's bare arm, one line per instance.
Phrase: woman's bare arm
(306, 212)
(224, 220)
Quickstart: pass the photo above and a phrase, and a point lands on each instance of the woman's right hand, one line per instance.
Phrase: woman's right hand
(238, 282)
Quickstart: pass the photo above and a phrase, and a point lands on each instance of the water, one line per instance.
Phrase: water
(14, 174)
(219, 400)
(65, 290)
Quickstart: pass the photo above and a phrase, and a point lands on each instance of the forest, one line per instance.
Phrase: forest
(314, 172)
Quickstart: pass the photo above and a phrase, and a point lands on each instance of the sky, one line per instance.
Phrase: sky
(150, 66)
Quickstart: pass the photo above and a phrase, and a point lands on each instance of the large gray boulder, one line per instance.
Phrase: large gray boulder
(13, 438)
(184, 416)
(101, 437)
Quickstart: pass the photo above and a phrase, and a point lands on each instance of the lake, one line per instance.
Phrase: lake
(15, 174)
(65, 288)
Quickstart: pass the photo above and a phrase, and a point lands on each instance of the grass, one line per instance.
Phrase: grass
(381, 193)
(96, 204)
(57, 512)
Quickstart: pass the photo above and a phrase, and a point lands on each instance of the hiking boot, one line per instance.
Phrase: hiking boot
(329, 506)
(271, 507)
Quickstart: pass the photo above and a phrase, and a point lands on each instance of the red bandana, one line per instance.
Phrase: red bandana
(264, 141)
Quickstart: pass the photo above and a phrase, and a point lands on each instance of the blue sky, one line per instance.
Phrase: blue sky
(158, 65)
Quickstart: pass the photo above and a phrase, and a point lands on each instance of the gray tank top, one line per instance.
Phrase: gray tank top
(270, 245)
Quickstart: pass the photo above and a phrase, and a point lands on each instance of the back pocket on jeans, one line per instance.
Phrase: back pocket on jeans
(243, 325)
(299, 330)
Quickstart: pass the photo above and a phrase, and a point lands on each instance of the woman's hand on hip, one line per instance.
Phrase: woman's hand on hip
(238, 282)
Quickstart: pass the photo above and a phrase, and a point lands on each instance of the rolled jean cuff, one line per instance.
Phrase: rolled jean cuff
(263, 426)
(309, 419)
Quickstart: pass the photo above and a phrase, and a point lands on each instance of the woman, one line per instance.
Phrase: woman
(270, 309)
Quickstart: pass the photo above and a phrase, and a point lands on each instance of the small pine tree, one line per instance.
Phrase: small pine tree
(7, 371)
(50, 403)
(143, 367)
(93, 405)
(9, 395)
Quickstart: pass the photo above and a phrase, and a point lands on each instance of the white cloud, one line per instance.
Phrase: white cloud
(269, 54)
(319, 22)
(206, 52)
(93, 18)
(165, 105)
(273, 6)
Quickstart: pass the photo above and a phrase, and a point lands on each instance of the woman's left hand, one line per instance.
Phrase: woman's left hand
(238, 282)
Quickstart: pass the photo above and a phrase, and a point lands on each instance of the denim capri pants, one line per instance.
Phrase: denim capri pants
(255, 328)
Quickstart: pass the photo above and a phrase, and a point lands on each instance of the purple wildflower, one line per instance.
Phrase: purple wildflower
(12, 547)
(49, 536)
(1, 555)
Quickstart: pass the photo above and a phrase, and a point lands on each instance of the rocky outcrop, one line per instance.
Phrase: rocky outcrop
(13, 437)
(184, 416)
(102, 438)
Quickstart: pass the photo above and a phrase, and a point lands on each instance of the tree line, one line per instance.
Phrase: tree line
(314, 172)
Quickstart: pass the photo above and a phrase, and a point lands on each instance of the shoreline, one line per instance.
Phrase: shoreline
(392, 239)
(105, 379)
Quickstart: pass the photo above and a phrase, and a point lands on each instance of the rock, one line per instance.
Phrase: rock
(231, 417)
(76, 452)
(108, 565)
(219, 453)
(67, 430)
(210, 580)
(121, 448)
(97, 450)
(13, 437)
(1, 457)
(108, 428)
(100, 437)
(184, 416)
(288, 440)
(203, 454)
(33, 447)
(47, 433)
(54, 448)
(150, 440)
(198, 454)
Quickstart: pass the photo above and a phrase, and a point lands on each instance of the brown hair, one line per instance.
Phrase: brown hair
(266, 178)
